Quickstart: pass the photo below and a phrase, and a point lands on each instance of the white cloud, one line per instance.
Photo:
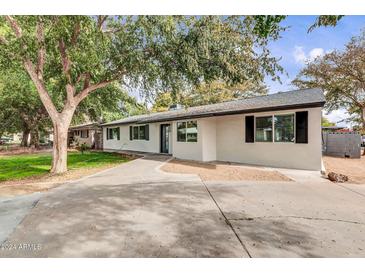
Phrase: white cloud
(299, 55)
(337, 116)
(314, 53)
(302, 57)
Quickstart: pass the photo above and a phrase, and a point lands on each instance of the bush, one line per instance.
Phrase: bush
(83, 147)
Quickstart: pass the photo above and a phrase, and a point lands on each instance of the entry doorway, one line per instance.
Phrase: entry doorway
(165, 138)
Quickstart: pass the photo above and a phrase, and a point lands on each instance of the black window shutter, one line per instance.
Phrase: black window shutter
(301, 127)
(118, 133)
(130, 133)
(107, 133)
(147, 132)
(250, 131)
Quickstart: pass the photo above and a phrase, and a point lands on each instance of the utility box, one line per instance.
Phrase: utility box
(341, 144)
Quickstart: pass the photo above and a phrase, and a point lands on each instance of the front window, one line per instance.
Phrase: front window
(113, 133)
(187, 131)
(192, 131)
(142, 132)
(181, 131)
(284, 128)
(135, 133)
(264, 129)
(84, 133)
(139, 132)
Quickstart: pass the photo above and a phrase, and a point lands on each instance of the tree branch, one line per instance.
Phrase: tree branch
(66, 63)
(14, 25)
(85, 92)
(43, 94)
(101, 20)
(76, 33)
(41, 51)
(85, 77)
(29, 67)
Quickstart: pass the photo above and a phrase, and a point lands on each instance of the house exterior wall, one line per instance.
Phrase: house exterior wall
(209, 141)
(151, 145)
(222, 138)
(187, 150)
(231, 145)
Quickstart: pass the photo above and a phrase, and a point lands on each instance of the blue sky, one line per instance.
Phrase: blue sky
(296, 46)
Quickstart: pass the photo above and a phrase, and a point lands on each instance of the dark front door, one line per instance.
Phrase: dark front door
(165, 138)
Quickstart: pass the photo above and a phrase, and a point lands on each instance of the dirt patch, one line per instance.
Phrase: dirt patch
(353, 168)
(44, 183)
(223, 172)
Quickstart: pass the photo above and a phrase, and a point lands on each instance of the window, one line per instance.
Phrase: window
(112, 133)
(284, 128)
(191, 131)
(187, 131)
(84, 133)
(135, 133)
(264, 129)
(181, 131)
(139, 132)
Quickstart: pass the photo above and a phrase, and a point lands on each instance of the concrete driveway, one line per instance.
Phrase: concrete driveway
(135, 210)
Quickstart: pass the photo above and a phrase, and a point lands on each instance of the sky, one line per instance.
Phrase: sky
(296, 46)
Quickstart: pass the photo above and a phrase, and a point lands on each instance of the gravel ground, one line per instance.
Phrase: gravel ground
(222, 172)
(353, 168)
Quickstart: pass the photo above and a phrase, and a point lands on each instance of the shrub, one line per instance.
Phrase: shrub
(83, 147)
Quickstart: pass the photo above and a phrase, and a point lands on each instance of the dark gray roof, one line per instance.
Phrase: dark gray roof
(91, 125)
(276, 101)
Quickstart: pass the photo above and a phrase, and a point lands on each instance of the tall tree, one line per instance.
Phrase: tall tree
(19, 98)
(69, 57)
(208, 93)
(341, 75)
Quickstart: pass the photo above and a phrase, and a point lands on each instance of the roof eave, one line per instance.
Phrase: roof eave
(222, 113)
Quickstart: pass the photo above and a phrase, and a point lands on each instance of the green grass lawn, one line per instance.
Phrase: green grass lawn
(24, 166)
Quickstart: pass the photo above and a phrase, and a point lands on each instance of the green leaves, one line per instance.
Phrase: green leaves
(326, 21)
(341, 75)
(147, 52)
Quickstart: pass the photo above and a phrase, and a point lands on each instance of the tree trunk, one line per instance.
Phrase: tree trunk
(34, 138)
(60, 132)
(25, 137)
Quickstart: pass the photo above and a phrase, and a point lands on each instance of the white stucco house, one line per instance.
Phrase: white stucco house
(278, 130)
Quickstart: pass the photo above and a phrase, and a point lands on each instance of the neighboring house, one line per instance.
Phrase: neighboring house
(90, 134)
(280, 130)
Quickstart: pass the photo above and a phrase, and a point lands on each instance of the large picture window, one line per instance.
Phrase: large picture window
(284, 128)
(140, 132)
(113, 133)
(187, 131)
(264, 129)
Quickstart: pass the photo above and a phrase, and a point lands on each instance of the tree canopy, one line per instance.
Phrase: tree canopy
(208, 93)
(69, 57)
(341, 75)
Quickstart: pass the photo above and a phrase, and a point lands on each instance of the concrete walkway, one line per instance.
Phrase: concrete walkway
(135, 210)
